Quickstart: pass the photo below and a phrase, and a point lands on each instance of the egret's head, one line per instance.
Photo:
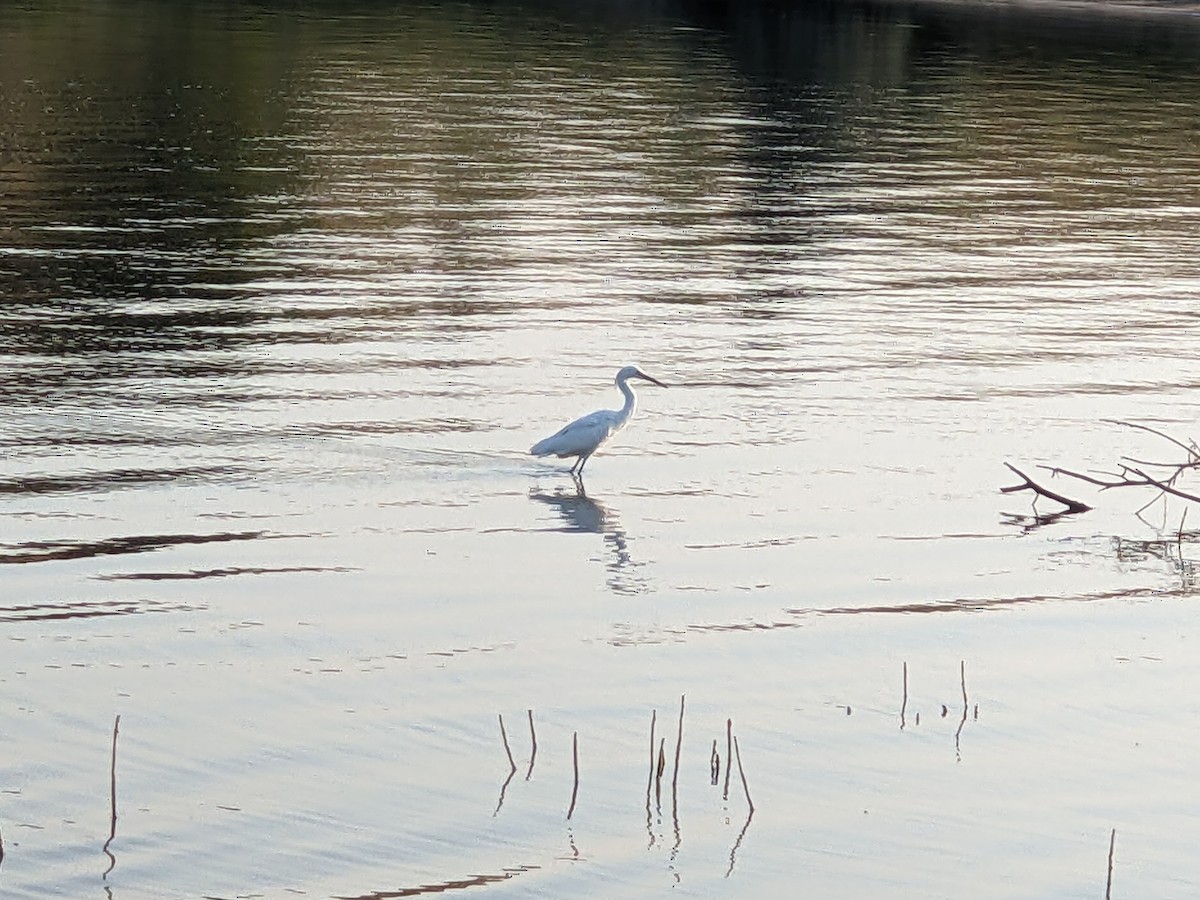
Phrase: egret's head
(634, 372)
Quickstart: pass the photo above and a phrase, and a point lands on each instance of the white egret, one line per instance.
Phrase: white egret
(584, 436)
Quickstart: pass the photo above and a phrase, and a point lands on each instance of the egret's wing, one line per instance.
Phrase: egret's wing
(583, 435)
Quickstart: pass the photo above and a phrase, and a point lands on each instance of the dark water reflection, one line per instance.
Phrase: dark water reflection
(580, 513)
(285, 293)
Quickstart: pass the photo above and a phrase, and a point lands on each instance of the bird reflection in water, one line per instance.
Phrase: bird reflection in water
(581, 514)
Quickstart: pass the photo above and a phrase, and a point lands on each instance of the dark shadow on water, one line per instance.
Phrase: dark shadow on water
(884, 42)
(111, 479)
(47, 551)
(1170, 550)
(982, 604)
(800, 617)
(1033, 521)
(226, 572)
(442, 887)
(580, 514)
(67, 609)
(142, 212)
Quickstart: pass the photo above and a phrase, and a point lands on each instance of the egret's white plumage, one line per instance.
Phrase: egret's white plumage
(584, 436)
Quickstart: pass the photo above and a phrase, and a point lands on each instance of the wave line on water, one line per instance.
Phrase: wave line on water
(197, 574)
(47, 551)
(442, 887)
(114, 478)
(801, 616)
(89, 609)
(981, 604)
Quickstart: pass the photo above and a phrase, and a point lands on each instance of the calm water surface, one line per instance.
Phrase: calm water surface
(285, 296)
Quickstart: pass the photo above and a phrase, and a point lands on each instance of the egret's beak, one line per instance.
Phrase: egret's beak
(651, 380)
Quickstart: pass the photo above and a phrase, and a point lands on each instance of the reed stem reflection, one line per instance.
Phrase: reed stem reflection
(962, 674)
(650, 780)
(112, 800)
(533, 747)
(1112, 846)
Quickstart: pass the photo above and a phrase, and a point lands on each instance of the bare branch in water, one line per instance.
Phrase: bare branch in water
(1124, 480)
(1165, 486)
(1029, 484)
(1162, 477)
(1192, 450)
(1112, 481)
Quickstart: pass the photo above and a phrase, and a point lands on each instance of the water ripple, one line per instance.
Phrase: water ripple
(82, 609)
(47, 551)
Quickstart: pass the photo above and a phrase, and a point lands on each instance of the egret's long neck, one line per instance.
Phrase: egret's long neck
(630, 400)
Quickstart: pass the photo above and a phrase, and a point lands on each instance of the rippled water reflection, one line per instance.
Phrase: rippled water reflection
(286, 297)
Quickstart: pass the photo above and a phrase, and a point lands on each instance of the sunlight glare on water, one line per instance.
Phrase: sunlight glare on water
(288, 295)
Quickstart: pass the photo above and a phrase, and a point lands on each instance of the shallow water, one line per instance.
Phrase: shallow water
(287, 295)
